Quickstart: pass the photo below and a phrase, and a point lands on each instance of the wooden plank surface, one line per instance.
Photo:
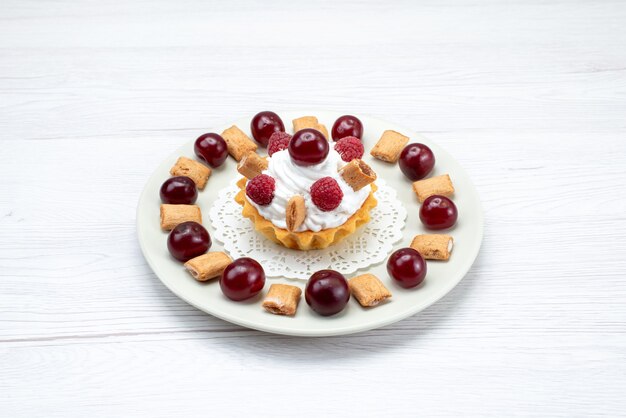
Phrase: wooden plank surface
(529, 96)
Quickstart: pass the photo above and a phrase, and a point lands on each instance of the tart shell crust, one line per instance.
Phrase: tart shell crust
(306, 240)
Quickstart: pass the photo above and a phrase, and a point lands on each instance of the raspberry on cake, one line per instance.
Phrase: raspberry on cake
(278, 142)
(326, 194)
(350, 148)
(261, 189)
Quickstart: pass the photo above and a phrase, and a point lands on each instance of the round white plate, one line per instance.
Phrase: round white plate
(440, 279)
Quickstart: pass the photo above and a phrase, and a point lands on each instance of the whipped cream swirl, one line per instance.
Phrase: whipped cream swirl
(292, 179)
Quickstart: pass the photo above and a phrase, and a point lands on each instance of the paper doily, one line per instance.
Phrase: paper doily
(368, 245)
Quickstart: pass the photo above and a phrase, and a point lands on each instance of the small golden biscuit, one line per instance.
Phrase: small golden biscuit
(282, 299)
(322, 129)
(440, 185)
(433, 246)
(172, 215)
(295, 213)
(196, 171)
(208, 266)
(357, 174)
(238, 143)
(251, 165)
(309, 122)
(389, 146)
(305, 122)
(368, 290)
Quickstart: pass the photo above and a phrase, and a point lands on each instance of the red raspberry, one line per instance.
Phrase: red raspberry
(261, 189)
(326, 194)
(278, 142)
(349, 147)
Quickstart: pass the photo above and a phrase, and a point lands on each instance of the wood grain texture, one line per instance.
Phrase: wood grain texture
(529, 96)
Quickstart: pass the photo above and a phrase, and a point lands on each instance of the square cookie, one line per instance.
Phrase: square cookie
(368, 290)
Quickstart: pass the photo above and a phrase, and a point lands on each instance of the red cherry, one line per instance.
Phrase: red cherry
(211, 148)
(407, 267)
(308, 147)
(179, 190)
(327, 292)
(438, 212)
(188, 240)
(416, 161)
(264, 124)
(347, 125)
(242, 279)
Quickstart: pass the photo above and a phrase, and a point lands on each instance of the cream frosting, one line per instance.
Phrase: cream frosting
(292, 179)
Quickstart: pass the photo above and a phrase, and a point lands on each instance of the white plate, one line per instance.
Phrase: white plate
(440, 279)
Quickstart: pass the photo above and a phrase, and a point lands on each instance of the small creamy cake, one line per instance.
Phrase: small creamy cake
(307, 200)
(292, 180)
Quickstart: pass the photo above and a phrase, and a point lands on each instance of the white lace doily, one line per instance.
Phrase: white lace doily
(368, 245)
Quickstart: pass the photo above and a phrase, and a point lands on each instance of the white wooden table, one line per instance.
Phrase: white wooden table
(529, 96)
